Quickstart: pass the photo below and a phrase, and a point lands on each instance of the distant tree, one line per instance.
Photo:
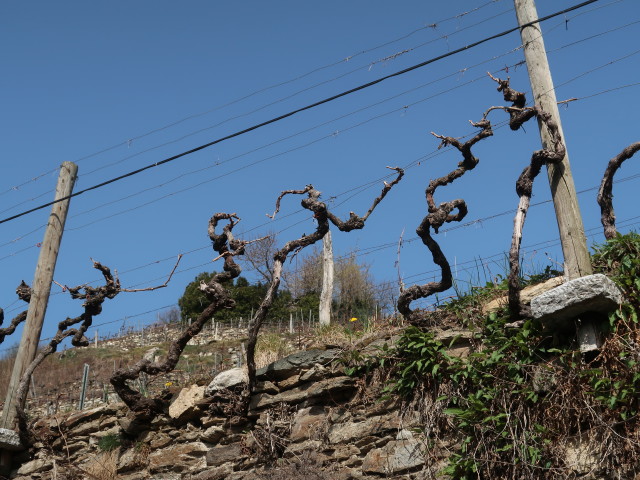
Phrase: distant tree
(171, 315)
(194, 300)
(258, 256)
(356, 290)
(306, 279)
(355, 293)
(247, 298)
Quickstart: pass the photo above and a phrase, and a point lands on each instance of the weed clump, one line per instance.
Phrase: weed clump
(109, 442)
(524, 403)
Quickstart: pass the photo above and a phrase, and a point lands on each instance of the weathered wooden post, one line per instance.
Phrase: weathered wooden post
(585, 296)
(41, 288)
(326, 295)
(83, 387)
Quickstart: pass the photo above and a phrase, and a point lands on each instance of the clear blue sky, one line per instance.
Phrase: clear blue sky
(80, 77)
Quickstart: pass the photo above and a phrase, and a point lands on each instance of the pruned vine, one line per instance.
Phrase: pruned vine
(93, 298)
(227, 247)
(322, 216)
(554, 153)
(439, 215)
(605, 195)
(24, 293)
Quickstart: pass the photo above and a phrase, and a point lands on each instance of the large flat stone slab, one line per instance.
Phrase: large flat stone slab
(526, 294)
(593, 293)
(9, 440)
(395, 457)
(310, 393)
(232, 378)
(184, 406)
(294, 363)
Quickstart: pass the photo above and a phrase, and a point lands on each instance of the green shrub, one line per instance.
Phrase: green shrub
(109, 442)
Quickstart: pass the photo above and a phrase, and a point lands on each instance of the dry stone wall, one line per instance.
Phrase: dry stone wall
(307, 419)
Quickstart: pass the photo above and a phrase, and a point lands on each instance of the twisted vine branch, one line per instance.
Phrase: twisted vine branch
(605, 196)
(93, 300)
(24, 293)
(322, 216)
(519, 114)
(227, 247)
(439, 215)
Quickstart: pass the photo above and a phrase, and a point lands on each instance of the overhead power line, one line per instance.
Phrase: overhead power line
(348, 58)
(302, 109)
(291, 95)
(287, 137)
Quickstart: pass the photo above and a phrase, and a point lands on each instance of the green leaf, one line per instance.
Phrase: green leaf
(454, 412)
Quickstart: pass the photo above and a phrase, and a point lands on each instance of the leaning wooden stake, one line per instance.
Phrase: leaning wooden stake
(40, 289)
(563, 192)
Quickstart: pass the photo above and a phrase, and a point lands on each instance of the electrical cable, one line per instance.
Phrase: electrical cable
(288, 96)
(348, 58)
(369, 250)
(301, 109)
(356, 189)
(613, 89)
(340, 117)
(284, 98)
(330, 135)
(200, 183)
(422, 276)
(217, 177)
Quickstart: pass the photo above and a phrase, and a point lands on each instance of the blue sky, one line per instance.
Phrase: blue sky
(118, 85)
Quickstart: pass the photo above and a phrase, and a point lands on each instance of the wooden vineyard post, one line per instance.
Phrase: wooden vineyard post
(563, 191)
(41, 288)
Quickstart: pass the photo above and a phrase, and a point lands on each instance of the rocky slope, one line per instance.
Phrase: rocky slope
(306, 416)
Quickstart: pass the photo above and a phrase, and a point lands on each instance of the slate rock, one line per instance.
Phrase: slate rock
(352, 431)
(223, 454)
(395, 457)
(306, 422)
(232, 378)
(37, 465)
(310, 393)
(178, 458)
(89, 415)
(294, 363)
(184, 406)
(213, 434)
(9, 440)
(593, 293)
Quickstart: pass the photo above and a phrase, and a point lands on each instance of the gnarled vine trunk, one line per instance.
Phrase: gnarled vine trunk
(605, 195)
(519, 114)
(322, 216)
(227, 247)
(439, 215)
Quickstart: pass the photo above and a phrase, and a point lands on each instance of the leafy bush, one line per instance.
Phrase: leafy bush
(247, 297)
(519, 400)
(619, 259)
